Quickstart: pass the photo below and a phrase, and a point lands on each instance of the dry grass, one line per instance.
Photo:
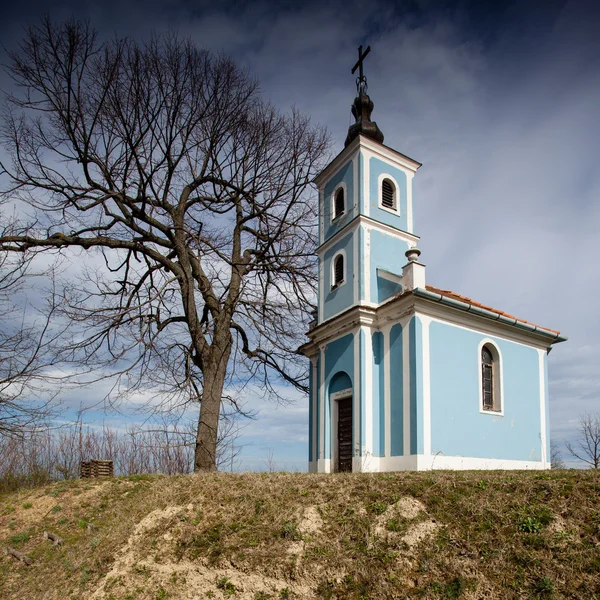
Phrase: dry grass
(439, 535)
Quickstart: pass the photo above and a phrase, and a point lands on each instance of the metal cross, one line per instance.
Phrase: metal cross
(359, 62)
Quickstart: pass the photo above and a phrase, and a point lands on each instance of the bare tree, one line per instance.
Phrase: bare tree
(26, 351)
(587, 448)
(556, 459)
(162, 161)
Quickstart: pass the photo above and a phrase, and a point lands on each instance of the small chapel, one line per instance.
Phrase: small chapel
(403, 375)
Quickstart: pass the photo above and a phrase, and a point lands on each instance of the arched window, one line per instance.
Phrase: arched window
(338, 203)
(338, 271)
(491, 378)
(389, 197)
(487, 378)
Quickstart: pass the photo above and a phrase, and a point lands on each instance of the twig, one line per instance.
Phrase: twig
(18, 555)
(56, 540)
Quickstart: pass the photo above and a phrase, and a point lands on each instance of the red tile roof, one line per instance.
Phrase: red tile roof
(455, 296)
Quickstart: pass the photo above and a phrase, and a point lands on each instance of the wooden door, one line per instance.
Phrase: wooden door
(345, 434)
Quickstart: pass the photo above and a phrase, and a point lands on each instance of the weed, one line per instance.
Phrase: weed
(377, 508)
(529, 525)
(56, 508)
(262, 596)
(27, 505)
(161, 593)
(289, 530)
(326, 589)
(85, 574)
(456, 588)
(285, 594)
(394, 525)
(228, 588)
(19, 538)
(543, 587)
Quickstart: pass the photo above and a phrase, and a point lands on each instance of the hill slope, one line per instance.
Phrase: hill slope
(256, 536)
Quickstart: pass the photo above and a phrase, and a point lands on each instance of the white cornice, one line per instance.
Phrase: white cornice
(344, 157)
(405, 305)
(409, 238)
(351, 227)
(362, 142)
(388, 154)
(340, 325)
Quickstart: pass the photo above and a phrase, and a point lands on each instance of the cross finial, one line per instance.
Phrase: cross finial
(361, 81)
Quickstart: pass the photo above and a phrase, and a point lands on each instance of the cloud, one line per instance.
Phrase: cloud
(501, 106)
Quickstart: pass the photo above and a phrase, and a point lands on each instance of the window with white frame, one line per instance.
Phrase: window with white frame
(338, 270)
(339, 204)
(388, 195)
(491, 379)
(338, 201)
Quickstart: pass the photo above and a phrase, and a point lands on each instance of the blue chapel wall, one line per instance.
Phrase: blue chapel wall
(386, 253)
(548, 454)
(378, 395)
(311, 388)
(376, 168)
(458, 428)
(415, 334)
(342, 297)
(396, 391)
(316, 383)
(346, 175)
(339, 358)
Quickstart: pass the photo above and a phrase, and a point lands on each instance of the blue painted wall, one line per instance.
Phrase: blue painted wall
(415, 333)
(458, 428)
(386, 253)
(342, 297)
(363, 341)
(547, 407)
(345, 174)
(311, 388)
(378, 395)
(317, 448)
(376, 168)
(396, 392)
(339, 357)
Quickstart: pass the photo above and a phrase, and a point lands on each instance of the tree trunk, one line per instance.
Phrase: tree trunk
(215, 370)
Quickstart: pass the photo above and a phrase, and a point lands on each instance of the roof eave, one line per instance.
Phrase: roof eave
(554, 336)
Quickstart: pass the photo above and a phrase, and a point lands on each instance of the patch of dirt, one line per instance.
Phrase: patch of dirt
(406, 508)
(311, 521)
(419, 532)
(135, 569)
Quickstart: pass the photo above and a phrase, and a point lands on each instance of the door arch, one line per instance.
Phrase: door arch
(340, 401)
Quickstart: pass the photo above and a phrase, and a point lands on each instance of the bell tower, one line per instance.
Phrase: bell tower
(365, 215)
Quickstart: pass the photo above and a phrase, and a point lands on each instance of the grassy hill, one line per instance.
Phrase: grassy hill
(256, 536)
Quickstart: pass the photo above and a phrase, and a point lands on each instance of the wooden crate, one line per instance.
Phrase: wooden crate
(97, 468)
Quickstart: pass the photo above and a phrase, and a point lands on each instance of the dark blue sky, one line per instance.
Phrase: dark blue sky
(498, 100)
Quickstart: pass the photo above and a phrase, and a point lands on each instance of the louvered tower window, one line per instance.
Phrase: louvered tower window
(388, 194)
(338, 270)
(487, 378)
(338, 209)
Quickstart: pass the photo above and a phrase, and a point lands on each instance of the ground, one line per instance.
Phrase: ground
(260, 536)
